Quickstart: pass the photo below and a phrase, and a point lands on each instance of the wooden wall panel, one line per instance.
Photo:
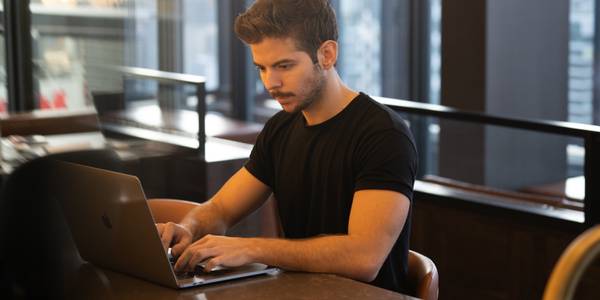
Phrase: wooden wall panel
(487, 252)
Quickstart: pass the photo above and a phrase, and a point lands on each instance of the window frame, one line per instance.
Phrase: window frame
(19, 64)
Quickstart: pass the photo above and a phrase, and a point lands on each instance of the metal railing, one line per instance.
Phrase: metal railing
(199, 82)
(589, 133)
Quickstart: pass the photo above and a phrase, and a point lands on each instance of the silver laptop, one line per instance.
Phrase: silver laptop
(113, 228)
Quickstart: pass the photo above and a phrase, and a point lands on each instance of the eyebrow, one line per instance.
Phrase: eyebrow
(277, 63)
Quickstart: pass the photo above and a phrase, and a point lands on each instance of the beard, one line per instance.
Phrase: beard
(313, 90)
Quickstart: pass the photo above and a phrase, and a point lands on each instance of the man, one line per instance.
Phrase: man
(340, 165)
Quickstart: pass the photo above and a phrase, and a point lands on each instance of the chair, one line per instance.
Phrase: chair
(571, 265)
(170, 210)
(422, 276)
(33, 232)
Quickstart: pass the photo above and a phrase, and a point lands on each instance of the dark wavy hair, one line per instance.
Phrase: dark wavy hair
(308, 22)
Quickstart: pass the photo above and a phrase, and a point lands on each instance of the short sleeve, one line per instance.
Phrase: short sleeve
(387, 161)
(260, 162)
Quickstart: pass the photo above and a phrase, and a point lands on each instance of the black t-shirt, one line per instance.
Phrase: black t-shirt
(315, 170)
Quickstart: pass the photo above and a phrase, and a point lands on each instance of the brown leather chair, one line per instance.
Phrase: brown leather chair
(170, 210)
(422, 276)
(572, 264)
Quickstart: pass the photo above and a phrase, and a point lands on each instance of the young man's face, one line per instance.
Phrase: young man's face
(288, 74)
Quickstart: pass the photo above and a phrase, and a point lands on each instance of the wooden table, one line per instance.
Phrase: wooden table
(217, 149)
(94, 283)
(184, 122)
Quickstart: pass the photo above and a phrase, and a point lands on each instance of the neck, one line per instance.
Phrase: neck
(335, 97)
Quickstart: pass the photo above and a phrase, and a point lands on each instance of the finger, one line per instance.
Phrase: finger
(160, 227)
(200, 256)
(212, 263)
(196, 258)
(182, 261)
(167, 236)
(178, 248)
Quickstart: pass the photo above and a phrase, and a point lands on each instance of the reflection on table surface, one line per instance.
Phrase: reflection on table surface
(13, 154)
(16, 150)
(90, 282)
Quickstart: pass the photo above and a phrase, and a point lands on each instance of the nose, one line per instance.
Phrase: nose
(271, 80)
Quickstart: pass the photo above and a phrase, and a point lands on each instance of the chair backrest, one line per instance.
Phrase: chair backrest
(170, 210)
(571, 265)
(423, 276)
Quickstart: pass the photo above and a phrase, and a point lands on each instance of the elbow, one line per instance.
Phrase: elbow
(369, 275)
(367, 269)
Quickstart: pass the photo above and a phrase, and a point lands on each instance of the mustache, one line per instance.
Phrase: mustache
(278, 94)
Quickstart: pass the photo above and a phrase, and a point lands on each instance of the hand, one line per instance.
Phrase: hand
(175, 236)
(217, 251)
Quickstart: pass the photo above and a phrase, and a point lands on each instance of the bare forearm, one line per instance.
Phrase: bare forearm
(339, 254)
(240, 195)
(205, 219)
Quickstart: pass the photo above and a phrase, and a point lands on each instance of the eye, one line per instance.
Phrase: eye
(260, 69)
(285, 66)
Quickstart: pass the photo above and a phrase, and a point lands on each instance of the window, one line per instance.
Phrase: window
(581, 106)
(176, 36)
(73, 44)
(435, 44)
(430, 151)
(538, 64)
(581, 62)
(201, 40)
(360, 45)
(76, 44)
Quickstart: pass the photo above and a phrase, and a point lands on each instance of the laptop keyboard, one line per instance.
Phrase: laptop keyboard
(198, 270)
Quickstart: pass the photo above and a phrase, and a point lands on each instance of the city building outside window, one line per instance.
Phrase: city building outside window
(360, 44)
(76, 42)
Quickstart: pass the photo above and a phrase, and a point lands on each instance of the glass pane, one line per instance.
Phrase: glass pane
(581, 104)
(502, 162)
(73, 43)
(77, 44)
(201, 40)
(435, 44)
(581, 62)
(360, 44)
(141, 48)
(580, 86)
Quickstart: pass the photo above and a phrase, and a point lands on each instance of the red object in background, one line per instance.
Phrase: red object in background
(44, 103)
(2, 105)
(60, 99)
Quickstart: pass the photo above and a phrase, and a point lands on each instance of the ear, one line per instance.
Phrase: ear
(328, 54)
